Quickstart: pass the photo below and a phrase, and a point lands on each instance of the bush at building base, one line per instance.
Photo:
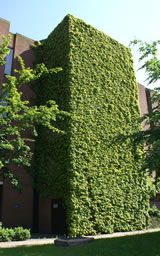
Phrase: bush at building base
(14, 234)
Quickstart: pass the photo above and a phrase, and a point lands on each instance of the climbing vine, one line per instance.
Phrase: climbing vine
(101, 180)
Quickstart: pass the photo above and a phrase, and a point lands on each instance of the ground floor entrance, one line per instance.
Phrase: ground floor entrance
(58, 217)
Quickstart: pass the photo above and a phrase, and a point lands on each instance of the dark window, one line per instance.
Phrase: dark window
(8, 64)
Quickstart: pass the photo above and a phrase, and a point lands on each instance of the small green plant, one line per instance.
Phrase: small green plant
(154, 212)
(13, 234)
(21, 233)
(155, 217)
(4, 235)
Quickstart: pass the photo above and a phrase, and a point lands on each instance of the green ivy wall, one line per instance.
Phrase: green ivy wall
(100, 178)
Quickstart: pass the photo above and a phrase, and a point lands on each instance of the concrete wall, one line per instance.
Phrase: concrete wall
(143, 102)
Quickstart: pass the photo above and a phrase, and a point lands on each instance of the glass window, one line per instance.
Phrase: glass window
(8, 65)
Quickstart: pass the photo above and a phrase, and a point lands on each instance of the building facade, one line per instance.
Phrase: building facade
(27, 209)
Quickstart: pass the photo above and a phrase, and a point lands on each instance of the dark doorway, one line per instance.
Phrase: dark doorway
(1, 190)
(59, 226)
(35, 226)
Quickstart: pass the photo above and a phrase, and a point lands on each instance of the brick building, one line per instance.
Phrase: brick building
(19, 209)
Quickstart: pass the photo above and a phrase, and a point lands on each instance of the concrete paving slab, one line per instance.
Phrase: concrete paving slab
(28, 242)
(72, 241)
(120, 234)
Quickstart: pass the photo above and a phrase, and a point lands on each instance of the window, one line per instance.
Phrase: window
(8, 65)
(8, 71)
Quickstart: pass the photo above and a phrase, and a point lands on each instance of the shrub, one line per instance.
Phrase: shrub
(4, 235)
(14, 234)
(155, 217)
(21, 233)
(154, 212)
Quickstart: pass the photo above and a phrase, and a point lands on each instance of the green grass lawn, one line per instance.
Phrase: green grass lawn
(140, 245)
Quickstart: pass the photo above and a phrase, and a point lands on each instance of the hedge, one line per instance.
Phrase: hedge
(100, 178)
(14, 234)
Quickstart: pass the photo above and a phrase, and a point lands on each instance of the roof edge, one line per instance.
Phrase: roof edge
(3, 20)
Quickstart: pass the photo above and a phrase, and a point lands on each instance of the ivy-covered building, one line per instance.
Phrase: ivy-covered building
(88, 180)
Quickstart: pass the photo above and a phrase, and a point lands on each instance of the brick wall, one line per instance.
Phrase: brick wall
(17, 208)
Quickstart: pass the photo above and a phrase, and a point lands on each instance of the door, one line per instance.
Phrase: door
(59, 226)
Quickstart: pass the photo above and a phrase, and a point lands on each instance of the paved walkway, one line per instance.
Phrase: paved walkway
(130, 233)
(43, 241)
(28, 242)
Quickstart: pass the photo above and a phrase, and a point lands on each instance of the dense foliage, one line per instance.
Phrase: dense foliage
(149, 56)
(14, 234)
(102, 181)
(18, 119)
(154, 211)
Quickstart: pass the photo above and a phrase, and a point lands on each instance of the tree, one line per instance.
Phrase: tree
(149, 55)
(18, 117)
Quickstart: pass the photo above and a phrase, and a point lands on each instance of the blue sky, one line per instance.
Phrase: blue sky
(123, 20)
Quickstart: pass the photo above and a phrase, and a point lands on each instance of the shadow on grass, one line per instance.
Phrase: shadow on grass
(139, 245)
